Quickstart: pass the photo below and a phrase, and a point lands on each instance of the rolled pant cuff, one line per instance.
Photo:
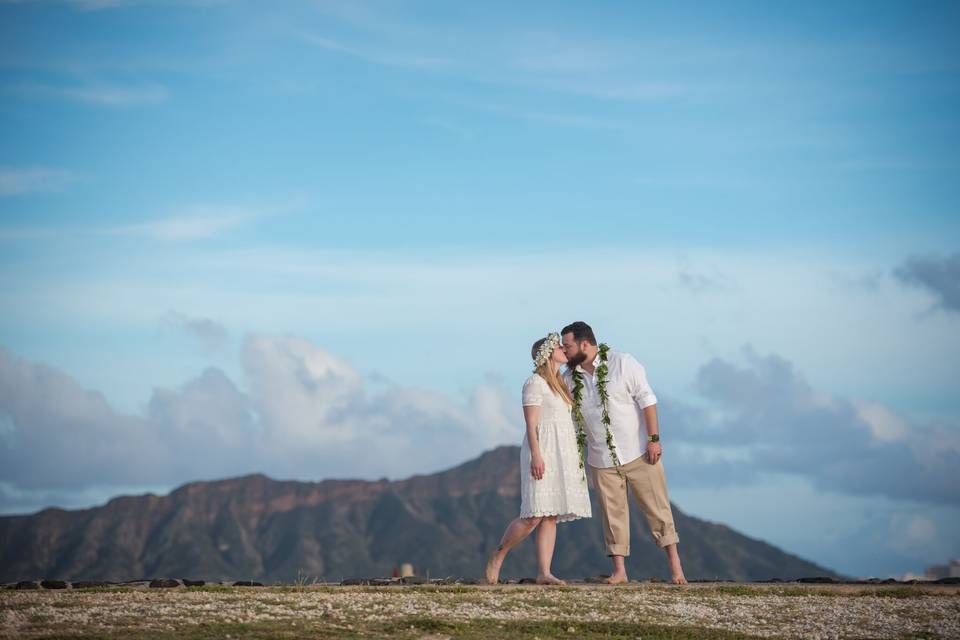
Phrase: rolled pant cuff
(666, 541)
(618, 550)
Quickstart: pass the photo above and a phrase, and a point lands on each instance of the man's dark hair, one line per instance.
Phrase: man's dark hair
(581, 331)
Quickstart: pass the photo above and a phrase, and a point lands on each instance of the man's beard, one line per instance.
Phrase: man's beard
(577, 360)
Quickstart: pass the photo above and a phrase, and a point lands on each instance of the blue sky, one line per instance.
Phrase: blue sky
(317, 240)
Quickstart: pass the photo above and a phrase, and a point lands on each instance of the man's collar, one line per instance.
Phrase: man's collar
(596, 363)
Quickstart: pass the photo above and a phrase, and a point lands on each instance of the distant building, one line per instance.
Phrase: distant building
(938, 571)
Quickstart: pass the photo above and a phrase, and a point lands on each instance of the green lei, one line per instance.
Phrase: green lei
(601, 376)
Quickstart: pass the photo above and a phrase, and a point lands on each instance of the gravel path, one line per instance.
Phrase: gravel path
(756, 610)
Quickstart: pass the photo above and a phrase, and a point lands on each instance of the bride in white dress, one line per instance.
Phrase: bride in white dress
(553, 487)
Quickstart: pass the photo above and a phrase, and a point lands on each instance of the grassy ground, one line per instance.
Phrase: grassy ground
(649, 611)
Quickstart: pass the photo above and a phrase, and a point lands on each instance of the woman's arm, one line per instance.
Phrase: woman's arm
(532, 415)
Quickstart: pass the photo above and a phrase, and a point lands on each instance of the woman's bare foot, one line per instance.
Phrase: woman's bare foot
(549, 579)
(494, 562)
(678, 578)
(618, 578)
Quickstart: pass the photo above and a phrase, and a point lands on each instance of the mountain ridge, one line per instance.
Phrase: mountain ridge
(255, 527)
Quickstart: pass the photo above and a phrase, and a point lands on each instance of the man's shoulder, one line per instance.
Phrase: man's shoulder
(622, 358)
(619, 356)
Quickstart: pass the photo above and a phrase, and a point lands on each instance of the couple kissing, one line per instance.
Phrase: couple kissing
(599, 417)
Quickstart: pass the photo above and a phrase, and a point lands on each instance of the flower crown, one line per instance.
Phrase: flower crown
(546, 349)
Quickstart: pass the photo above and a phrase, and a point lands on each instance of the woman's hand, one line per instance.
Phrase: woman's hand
(537, 467)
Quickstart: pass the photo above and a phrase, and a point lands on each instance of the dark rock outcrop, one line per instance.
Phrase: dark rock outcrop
(54, 584)
(164, 583)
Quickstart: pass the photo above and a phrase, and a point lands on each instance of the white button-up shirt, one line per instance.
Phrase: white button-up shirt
(629, 393)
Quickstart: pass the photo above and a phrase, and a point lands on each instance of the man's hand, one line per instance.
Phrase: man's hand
(653, 452)
(537, 467)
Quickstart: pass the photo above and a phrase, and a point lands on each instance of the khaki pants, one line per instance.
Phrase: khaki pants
(649, 486)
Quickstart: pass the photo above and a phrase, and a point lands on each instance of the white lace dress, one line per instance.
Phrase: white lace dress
(562, 491)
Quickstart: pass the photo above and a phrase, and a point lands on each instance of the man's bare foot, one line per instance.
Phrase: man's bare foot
(673, 560)
(617, 578)
(492, 571)
(676, 571)
(549, 579)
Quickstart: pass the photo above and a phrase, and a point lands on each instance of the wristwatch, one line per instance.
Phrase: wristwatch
(654, 438)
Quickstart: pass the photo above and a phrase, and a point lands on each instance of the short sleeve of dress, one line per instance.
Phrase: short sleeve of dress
(532, 395)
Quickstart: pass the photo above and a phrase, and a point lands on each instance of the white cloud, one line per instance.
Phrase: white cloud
(920, 530)
(857, 535)
(451, 126)
(95, 5)
(785, 426)
(305, 395)
(306, 413)
(940, 276)
(26, 233)
(209, 413)
(203, 221)
(703, 282)
(193, 222)
(551, 53)
(546, 117)
(15, 500)
(390, 58)
(62, 432)
(857, 281)
(916, 535)
(885, 425)
(100, 5)
(776, 302)
(102, 95)
(198, 222)
(561, 62)
(19, 181)
(211, 336)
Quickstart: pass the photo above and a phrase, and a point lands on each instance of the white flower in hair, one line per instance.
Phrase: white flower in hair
(546, 349)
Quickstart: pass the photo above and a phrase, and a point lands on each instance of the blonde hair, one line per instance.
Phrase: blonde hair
(550, 372)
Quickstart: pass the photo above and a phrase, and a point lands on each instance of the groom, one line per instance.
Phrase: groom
(629, 395)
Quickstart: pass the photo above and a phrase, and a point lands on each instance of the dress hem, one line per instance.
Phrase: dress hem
(561, 517)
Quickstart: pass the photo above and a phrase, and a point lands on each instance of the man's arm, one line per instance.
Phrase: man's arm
(654, 451)
(635, 377)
